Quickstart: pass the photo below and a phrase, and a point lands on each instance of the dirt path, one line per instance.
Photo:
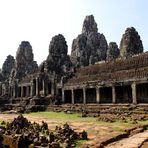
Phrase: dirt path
(131, 142)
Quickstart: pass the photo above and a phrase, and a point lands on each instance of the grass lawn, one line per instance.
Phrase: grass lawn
(63, 116)
(75, 117)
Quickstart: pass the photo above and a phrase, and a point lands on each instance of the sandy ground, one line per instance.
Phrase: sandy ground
(96, 132)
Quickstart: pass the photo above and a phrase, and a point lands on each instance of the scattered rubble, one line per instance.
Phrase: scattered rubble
(25, 134)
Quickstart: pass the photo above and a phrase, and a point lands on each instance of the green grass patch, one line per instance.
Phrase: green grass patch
(143, 122)
(79, 143)
(117, 126)
(2, 125)
(63, 116)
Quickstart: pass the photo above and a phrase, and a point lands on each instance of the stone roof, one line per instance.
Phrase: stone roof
(135, 67)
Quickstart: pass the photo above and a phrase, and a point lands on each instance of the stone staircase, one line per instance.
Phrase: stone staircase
(30, 104)
(101, 108)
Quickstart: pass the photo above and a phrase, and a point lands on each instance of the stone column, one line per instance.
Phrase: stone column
(14, 91)
(72, 97)
(22, 91)
(84, 95)
(63, 96)
(134, 94)
(9, 91)
(53, 88)
(37, 87)
(98, 94)
(27, 91)
(113, 94)
(17, 91)
(31, 89)
(44, 87)
(3, 89)
(0, 89)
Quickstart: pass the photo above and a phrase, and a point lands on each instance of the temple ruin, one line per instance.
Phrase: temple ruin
(94, 73)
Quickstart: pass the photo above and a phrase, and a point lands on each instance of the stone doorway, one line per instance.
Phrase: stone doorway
(68, 96)
(142, 93)
(106, 95)
(49, 88)
(34, 87)
(124, 94)
(60, 92)
(90, 95)
(24, 91)
(78, 96)
(19, 91)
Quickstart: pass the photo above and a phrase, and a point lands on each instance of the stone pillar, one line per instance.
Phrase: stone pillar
(22, 91)
(134, 94)
(3, 90)
(14, 92)
(53, 88)
(37, 87)
(113, 94)
(98, 94)
(31, 89)
(63, 96)
(9, 91)
(27, 91)
(44, 87)
(0, 89)
(72, 97)
(84, 95)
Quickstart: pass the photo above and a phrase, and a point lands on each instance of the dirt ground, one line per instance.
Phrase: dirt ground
(96, 132)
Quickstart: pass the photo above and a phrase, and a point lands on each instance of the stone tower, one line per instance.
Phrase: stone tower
(58, 61)
(90, 46)
(130, 43)
(113, 51)
(25, 63)
(7, 66)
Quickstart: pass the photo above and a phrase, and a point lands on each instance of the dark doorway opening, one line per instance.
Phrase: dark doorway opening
(90, 95)
(24, 91)
(142, 93)
(68, 96)
(19, 91)
(78, 96)
(49, 88)
(34, 87)
(124, 94)
(105, 95)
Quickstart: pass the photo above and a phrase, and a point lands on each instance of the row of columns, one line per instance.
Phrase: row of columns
(30, 90)
(134, 95)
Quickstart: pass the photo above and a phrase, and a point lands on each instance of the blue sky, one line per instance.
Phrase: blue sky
(37, 21)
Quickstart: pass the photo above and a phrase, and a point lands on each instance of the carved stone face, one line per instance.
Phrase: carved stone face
(58, 46)
(130, 43)
(89, 25)
(24, 53)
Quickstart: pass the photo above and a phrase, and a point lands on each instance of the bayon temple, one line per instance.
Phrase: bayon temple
(95, 73)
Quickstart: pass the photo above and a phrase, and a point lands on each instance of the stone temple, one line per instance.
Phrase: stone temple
(95, 73)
